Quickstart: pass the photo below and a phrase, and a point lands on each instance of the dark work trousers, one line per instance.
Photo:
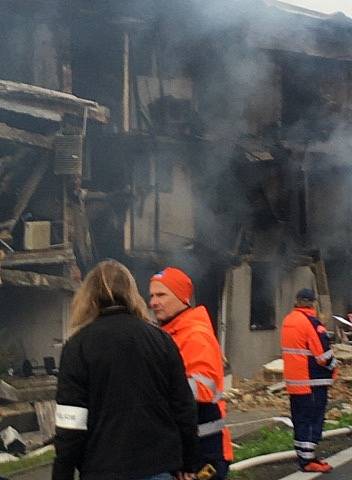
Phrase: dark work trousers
(221, 467)
(211, 446)
(308, 413)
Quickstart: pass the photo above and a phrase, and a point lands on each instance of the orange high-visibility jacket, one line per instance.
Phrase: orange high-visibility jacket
(193, 333)
(308, 358)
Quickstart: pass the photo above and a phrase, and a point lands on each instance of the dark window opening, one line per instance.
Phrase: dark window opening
(262, 297)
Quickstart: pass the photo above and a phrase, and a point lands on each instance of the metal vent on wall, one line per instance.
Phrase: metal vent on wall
(68, 154)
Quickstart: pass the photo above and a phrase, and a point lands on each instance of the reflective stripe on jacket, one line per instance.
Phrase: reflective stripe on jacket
(193, 333)
(308, 358)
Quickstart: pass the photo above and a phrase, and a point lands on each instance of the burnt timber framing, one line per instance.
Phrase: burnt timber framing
(54, 256)
(240, 110)
(48, 104)
(19, 278)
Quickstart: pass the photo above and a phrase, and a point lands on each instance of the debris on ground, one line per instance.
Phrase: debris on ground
(273, 370)
(267, 390)
(343, 352)
(12, 441)
(27, 413)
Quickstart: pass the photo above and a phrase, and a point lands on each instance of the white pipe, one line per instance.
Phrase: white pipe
(337, 431)
(286, 455)
(270, 458)
(286, 420)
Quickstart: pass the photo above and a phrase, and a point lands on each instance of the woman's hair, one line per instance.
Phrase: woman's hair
(109, 283)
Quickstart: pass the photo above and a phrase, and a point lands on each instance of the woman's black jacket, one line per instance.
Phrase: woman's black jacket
(124, 407)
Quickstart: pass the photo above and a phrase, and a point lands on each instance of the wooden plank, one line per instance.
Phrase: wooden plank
(323, 291)
(19, 278)
(23, 137)
(8, 392)
(321, 277)
(25, 90)
(45, 411)
(66, 102)
(12, 105)
(40, 257)
(29, 188)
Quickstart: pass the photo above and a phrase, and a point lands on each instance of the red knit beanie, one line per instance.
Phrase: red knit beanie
(177, 281)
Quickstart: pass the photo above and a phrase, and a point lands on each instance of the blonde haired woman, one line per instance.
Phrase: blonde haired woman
(124, 407)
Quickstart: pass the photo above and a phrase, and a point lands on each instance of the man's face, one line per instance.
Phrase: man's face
(164, 302)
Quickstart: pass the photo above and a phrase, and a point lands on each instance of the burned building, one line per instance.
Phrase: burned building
(280, 202)
(215, 139)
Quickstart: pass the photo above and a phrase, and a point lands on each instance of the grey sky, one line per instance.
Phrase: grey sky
(326, 6)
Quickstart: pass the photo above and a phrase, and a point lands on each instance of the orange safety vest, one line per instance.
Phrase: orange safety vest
(193, 333)
(308, 358)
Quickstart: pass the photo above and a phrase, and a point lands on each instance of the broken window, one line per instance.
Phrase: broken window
(262, 296)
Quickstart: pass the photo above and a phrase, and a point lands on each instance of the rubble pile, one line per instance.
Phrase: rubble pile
(267, 390)
(256, 394)
(27, 410)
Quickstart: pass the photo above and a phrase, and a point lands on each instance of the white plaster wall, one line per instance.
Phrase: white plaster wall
(176, 210)
(247, 350)
(176, 220)
(301, 277)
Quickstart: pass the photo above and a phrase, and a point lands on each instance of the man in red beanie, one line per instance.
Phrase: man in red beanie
(170, 298)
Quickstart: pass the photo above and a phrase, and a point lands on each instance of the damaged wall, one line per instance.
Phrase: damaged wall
(32, 43)
(240, 339)
(247, 88)
(171, 206)
(35, 319)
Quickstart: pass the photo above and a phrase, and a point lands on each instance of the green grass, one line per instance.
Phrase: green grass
(271, 440)
(268, 440)
(277, 439)
(24, 464)
(344, 421)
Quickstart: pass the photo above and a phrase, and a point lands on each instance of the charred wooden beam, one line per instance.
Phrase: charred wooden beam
(323, 288)
(41, 257)
(58, 101)
(28, 189)
(19, 278)
(23, 137)
(24, 108)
